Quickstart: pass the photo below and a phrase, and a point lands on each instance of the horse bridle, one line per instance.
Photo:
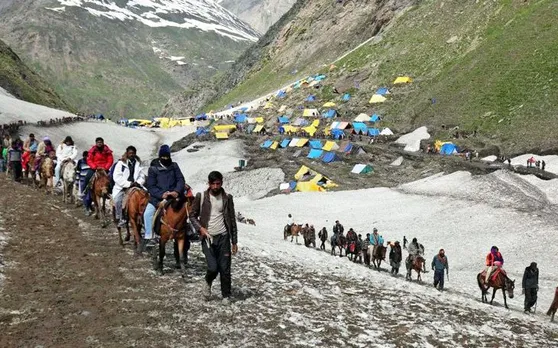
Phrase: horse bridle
(174, 230)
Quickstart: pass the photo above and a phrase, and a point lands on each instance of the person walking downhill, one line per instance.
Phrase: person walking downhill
(213, 217)
(164, 180)
(127, 173)
(439, 264)
(323, 237)
(530, 285)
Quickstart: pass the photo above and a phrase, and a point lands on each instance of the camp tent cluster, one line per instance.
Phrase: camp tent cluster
(308, 180)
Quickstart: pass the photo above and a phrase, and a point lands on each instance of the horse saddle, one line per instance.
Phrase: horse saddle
(127, 195)
(158, 216)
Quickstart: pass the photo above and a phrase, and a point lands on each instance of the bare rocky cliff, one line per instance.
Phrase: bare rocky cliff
(260, 14)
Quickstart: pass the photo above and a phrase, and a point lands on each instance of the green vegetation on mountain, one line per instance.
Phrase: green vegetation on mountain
(25, 84)
(485, 66)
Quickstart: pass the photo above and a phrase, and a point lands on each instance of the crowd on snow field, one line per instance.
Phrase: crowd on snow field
(361, 250)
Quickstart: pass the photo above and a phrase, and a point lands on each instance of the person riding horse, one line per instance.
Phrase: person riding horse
(128, 173)
(494, 262)
(30, 146)
(415, 250)
(98, 157)
(164, 180)
(290, 223)
(376, 240)
(43, 150)
(65, 152)
(338, 228)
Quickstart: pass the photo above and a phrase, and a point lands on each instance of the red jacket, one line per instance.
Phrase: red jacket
(100, 159)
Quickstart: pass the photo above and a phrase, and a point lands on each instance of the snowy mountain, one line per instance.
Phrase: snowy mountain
(124, 58)
(260, 14)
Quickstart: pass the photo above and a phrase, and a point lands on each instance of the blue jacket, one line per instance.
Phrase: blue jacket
(380, 240)
(440, 264)
(161, 180)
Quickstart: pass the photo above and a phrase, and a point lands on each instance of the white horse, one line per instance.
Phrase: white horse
(68, 180)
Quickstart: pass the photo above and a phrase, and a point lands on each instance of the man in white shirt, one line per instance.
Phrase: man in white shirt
(127, 173)
(66, 151)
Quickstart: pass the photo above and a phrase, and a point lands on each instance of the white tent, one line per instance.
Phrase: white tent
(361, 169)
(362, 118)
(386, 131)
(284, 186)
(293, 142)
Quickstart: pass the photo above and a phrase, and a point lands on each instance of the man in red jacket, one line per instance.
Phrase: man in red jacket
(99, 157)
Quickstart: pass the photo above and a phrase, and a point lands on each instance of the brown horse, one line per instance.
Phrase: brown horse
(417, 265)
(174, 226)
(500, 282)
(134, 207)
(68, 178)
(30, 172)
(553, 307)
(251, 222)
(294, 231)
(100, 193)
(46, 173)
(338, 241)
(377, 255)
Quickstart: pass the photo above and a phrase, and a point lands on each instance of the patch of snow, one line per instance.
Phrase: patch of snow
(181, 62)
(173, 58)
(397, 162)
(490, 158)
(413, 139)
(13, 109)
(551, 161)
(57, 9)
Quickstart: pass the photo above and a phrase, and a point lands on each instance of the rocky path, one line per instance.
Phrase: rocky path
(69, 284)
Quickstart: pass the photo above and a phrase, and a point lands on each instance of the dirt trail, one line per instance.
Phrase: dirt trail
(69, 284)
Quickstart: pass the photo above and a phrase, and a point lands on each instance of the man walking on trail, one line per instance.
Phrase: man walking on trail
(164, 180)
(214, 217)
(439, 264)
(530, 286)
(323, 237)
(127, 173)
(82, 168)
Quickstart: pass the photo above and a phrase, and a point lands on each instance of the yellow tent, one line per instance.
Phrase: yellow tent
(289, 128)
(330, 146)
(224, 128)
(329, 105)
(310, 130)
(310, 112)
(316, 123)
(301, 142)
(303, 171)
(332, 67)
(274, 145)
(402, 80)
(222, 135)
(376, 98)
(259, 120)
(268, 105)
(258, 128)
(308, 186)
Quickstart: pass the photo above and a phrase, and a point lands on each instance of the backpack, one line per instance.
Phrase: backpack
(111, 176)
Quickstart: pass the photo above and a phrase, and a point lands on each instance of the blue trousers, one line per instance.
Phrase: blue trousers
(439, 279)
(148, 220)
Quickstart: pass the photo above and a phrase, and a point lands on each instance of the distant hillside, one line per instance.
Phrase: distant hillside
(260, 14)
(489, 68)
(23, 83)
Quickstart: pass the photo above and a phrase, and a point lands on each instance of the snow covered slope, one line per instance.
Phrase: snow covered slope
(205, 15)
(13, 109)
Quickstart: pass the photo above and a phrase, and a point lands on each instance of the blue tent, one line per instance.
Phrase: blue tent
(244, 108)
(285, 143)
(319, 77)
(373, 132)
(374, 118)
(316, 144)
(292, 185)
(281, 94)
(201, 117)
(337, 133)
(315, 153)
(346, 97)
(281, 130)
(348, 148)
(201, 131)
(448, 149)
(330, 113)
(360, 127)
(330, 157)
(267, 144)
(283, 119)
(240, 118)
(382, 91)
(311, 98)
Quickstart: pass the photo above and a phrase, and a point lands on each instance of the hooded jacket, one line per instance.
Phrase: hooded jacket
(121, 174)
(97, 159)
(201, 219)
(161, 179)
(530, 278)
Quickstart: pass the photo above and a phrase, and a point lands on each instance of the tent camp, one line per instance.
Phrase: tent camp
(222, 135)
(337, 133)
(250, 128)
(224, 128)
(376, 98)
(282, 108)
(259, 128)
(373, 132)
(240, 118)
(300, 122)
(315, 144)
(315, 153)
(283, 119)
(259, 119)
(285, 143)
(359, 128)
(330, 146)
(386, 131)
(266, 144)
(346, 97)
(346, 147)
(274, 145)
(330, 157)
(362, 169)
(311, 130)
(329, 105)
(310, 112)
(362, 118)
(201, 131)
(401, 80)
(310, 98)
(268, 105)
(302, 142)
(309, 186)
(382, 91)
(448, 149)
(294, 142)
(281, 94)
(339, 125)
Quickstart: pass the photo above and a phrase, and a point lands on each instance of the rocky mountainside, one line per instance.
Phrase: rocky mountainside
(486, 68)
(23, 83)
(260, 14)
(124, 58)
